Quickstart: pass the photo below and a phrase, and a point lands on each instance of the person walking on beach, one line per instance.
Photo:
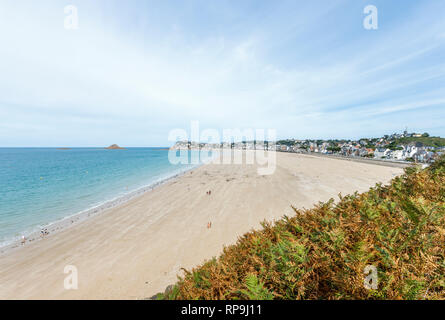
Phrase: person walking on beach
(23, 240)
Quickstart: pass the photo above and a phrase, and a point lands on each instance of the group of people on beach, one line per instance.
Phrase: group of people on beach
(44, 232)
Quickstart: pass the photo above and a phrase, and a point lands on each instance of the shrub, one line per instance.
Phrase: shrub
(322, 253)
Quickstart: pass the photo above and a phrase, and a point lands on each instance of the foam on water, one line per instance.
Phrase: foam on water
(43, 186)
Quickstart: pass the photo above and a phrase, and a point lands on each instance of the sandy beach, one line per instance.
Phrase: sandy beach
(136, 249)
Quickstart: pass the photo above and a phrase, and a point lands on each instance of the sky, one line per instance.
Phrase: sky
(135, 70)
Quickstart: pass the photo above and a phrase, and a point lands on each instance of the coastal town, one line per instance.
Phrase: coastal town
(400, 147)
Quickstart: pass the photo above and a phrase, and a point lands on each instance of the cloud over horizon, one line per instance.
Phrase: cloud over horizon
(134, 71)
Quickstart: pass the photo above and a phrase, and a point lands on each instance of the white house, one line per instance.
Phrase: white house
(381, 153)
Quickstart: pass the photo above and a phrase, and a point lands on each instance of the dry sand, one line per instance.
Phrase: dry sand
(137, 249)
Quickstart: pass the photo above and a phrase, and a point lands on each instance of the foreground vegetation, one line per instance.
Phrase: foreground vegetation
(322, 253)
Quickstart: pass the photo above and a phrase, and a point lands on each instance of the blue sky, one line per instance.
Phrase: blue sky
(134, 70)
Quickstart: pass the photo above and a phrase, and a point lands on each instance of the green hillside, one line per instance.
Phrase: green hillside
(427, 141)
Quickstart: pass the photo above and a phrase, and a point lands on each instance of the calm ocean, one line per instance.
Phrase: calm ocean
(42, 185)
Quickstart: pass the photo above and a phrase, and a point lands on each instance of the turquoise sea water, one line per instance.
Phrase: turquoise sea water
(42, 185)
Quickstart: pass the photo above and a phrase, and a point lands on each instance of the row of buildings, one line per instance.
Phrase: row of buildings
(385, 148)
(388, 147)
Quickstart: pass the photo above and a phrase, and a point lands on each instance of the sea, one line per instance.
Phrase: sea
(39, 186)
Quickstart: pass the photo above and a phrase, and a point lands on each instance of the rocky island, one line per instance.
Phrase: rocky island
(114, 147)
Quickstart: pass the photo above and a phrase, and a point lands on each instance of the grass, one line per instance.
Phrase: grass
(427, 141)
(322, 253)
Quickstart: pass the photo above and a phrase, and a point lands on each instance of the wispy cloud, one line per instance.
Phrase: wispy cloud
(134, 71)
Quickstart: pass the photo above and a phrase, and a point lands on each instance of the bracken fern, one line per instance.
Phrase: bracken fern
(321, 253)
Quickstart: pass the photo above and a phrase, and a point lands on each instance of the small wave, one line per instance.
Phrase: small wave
(62, 223)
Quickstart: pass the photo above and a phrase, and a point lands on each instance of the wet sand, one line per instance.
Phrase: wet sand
(136, 249)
